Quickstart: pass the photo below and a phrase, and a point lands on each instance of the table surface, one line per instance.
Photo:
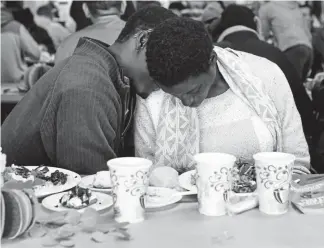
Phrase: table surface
(183, 226)
(12, 95)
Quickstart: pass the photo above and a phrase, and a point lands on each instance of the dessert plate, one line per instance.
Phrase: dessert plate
(187, 181)
(87, 182)
(158, 197)
(73, 179)
(52, 202)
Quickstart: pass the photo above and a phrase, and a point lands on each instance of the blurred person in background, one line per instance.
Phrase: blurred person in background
(16, 44)
(106, 27)
(239, 29)
(291, 32)
(77, 14)
(194, 10)
(26, 17)
(318, 101)
(56, 31)
(316, 12)
(306, 10)
(54, 8)
(129, 10)
(142, 4)
(176, 7)
(211, 15)
(318, 45)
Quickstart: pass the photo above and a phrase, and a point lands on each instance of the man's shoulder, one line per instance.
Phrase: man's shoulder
(68, 46)
(81, 72)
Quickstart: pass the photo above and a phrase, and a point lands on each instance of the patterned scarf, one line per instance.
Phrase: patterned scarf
(178, 127)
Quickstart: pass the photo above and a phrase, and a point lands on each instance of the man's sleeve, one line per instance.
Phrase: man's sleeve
(86, 125)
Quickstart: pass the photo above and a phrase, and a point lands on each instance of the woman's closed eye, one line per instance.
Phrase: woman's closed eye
(195, 90)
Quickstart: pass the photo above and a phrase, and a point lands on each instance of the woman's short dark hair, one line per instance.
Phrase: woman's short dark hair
(177, 49)
(146, 18)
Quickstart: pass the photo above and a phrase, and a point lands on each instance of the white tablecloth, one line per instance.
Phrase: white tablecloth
(182, 226)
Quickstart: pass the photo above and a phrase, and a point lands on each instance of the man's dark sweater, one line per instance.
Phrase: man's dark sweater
(73, 117)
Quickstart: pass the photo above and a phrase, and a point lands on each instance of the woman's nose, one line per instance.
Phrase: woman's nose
(187, 100)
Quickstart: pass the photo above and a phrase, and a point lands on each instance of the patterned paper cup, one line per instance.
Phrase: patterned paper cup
(129, 178)
(212, 181)
(273, 172)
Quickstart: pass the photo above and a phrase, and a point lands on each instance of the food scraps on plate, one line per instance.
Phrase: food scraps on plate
(78, 198)
(23, 174)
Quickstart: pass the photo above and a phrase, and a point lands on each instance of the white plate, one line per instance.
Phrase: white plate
(87, 182)
(185, 181)
(53, 202)
(73, 179)
(164, 197)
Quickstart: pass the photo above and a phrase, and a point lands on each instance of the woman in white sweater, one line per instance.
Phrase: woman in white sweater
(255, 113)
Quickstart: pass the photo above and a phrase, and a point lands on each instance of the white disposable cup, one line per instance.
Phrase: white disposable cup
(273, 174)
(129, 178)
(213, 172)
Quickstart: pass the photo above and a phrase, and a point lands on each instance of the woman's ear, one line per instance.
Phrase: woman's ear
(141, 39)
(86, 10)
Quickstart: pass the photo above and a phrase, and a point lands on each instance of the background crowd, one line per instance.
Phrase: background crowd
(37, 35)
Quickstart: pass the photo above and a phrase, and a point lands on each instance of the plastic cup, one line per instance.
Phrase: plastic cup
(273, 172)
(213, 172)
(129, 178)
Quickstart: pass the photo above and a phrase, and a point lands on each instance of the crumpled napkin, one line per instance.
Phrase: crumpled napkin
(238, 203)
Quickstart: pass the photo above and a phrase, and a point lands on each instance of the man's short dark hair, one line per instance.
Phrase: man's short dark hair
(235, 15)
(178, 49)
(146, 18)
(96, 7)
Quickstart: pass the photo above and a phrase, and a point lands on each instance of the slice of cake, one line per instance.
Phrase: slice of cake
(78, 198)
(102, 180)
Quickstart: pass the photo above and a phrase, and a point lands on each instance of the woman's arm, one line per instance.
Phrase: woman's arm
(293, 137)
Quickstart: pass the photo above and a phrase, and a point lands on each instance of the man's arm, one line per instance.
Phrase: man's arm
(86, 125)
